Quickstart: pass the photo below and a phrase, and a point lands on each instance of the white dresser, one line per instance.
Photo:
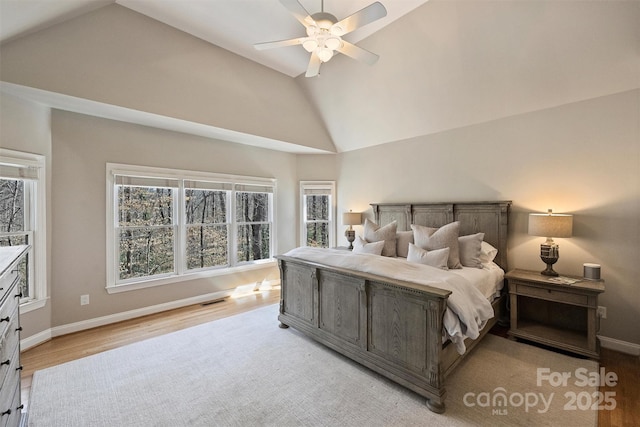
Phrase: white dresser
(10, 368)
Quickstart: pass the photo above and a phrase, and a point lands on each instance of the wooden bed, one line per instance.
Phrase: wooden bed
(391, 326)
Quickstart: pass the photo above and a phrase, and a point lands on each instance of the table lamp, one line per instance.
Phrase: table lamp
(550, 225)
(351, 219)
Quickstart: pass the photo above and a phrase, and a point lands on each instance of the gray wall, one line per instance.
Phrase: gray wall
(81, 147)
(582, 158)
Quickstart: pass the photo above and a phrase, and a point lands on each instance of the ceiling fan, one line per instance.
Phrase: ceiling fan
(324, 34)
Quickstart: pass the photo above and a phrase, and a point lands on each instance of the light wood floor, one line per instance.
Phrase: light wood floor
(74, 346)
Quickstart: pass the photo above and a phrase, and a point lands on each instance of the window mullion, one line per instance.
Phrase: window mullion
(233, 226)
(180, 221)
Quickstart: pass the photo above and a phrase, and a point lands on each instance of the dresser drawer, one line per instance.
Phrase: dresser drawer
(10, 382)
(9, 309)
(551, 294)
(10, 278)
(10, 371)
(9, 346)
(10, 406)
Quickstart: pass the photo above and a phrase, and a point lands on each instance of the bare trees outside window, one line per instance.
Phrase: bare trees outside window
(317, 209)
(12, 224)
(254, 228)
(147, 234)
(207, 228)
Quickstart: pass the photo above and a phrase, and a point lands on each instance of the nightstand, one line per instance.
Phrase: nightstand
(556, 314)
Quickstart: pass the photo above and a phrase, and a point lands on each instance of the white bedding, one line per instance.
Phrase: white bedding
(468, 306)
(489, 280)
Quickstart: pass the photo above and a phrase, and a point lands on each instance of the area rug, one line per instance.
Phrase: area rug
(245, 371)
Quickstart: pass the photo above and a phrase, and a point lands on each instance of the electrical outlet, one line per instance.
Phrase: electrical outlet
(602, 312)
(84, 299)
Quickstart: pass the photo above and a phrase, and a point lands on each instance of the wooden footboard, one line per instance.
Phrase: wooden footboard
(390, 326)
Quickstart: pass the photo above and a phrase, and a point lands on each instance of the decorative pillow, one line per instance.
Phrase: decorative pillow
(374, 233)
(403, 238)
(437, 258)
(487, 252)
(361, 246)
(470, 250)
(438, 238)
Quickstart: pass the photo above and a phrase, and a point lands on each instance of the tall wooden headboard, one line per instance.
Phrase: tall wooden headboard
(490, 218)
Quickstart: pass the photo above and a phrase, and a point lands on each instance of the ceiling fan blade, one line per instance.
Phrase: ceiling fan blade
(365, 16)
(280, 43)
(358, 53)
(314, 66)
(298, 11)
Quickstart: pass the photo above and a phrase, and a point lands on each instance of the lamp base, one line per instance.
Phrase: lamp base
(549, 254)
(351, 236)
(549, 271)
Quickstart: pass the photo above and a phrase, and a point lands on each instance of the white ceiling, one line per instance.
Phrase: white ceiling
(444, 65)
(234, 25)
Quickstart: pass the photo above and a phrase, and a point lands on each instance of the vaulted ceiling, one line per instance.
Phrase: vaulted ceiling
(443, 64)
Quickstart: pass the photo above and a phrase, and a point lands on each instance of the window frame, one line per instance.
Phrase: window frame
(181, 271)
(330, 188)
(35, 224)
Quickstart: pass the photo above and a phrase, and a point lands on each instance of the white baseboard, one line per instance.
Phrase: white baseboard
(619, 345)
(35, 339)
(47, 334)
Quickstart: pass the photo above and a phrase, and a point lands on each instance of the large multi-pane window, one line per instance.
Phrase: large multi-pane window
(169, 223)
(22, 217)
(317, 214)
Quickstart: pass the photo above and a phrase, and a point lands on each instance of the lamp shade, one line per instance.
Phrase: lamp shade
(550, 224)
(352, 218)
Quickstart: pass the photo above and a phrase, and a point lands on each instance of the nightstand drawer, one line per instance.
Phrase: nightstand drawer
(552, 295)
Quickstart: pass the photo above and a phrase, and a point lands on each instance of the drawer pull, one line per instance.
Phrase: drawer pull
(19, 368)
(20, 407)
(7, 412)
(19, 329)
(18, 295)
(5, 319)
(6, 362)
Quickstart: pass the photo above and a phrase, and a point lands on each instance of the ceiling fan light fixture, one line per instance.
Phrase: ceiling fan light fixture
(337, 30)
(325, 54)
(310, 45)
(333, 43)
(325, 32)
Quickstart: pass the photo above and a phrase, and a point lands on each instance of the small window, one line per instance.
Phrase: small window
(22, 219)
(317, 200)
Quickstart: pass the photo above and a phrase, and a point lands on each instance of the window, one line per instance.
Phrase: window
(207, 224)
(22, 219)
(168, 224)
(317, 200)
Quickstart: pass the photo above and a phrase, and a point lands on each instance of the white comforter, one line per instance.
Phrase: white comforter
(467, 309)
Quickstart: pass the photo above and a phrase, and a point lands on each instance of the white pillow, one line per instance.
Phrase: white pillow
(438, 238)
(487, 252)
(436, 258)
(470, 250)
(361, 246)
(374, 233)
